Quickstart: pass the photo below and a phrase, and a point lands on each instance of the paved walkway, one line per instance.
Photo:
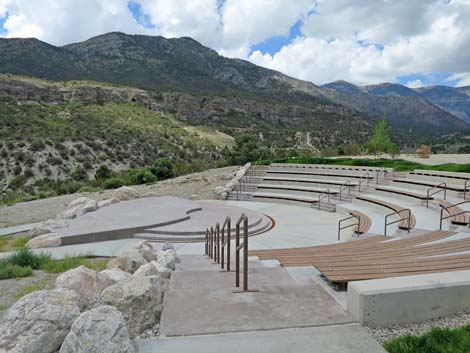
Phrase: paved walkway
(349, 338)
(17, 229)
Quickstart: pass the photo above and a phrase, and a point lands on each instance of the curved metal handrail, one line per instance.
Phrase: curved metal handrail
(438, 186)
(399, 220)
(442, 218)
(350, 225)
(323, 195)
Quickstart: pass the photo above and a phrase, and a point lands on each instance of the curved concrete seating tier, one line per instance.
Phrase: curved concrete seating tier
(337, 174)
(365, 223)
(403, 192)
(379, 257)
(287, 197)
(331, 167)
(308, 180)
(428, 183)
(404, 224)
(442, 174)
(307, 189)
(462, 219)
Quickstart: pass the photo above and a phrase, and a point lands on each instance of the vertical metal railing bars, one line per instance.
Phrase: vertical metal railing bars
(465, 189)
(323, 195)
(217, 247)
(408, 218)
(344, 186)
(362, 178)
(440, 189)
(358, 224)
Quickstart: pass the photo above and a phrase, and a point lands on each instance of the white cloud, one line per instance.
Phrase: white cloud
(463, 79)
(415, 84)
(338, 40)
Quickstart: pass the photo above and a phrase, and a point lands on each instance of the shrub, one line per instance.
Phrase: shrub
(26, 258)
(113, 183)
(20, 242)
(17, 182)
(8, 270)
(163, 168)
(103, 173)
(141, 176)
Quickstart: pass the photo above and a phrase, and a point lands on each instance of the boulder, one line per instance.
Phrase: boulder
(129, 261)
(100, 330)
(231, 184)
(104, 203)
(224, 195)
(48, 226)
(38, 322)
(146, 250)
(163, 272)
(116, 274)
(240, 174)
(113, 200)
(146, 270)
(48, 240)
(78, 207)
(88, 284)
(168, 246)
(138, 299)
(167, 258)
(219, 190)
(125, 193)
(194, 197)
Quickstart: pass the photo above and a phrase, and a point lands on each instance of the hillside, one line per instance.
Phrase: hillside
(183, 65)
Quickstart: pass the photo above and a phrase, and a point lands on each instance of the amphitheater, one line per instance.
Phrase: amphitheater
(309, 253)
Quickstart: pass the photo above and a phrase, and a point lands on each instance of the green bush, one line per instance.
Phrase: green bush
(113, 183)
(141, 176)
(103, 173)
(18, 181)
(8, 270)
(26, 258)
(163, 168)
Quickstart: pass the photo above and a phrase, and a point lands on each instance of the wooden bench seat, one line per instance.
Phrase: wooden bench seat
(404, 192)
(331, 167)
(379, 257)
(442, 174)
(453, 187)
(404, 224)
(308, 180)
(462, 219)
(331, 174)
(365, 222)
(298, 188)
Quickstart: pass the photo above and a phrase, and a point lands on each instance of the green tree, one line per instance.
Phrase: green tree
(163, 168)
(103, 172)
(380, 141)
(394, 150)
(248, 149)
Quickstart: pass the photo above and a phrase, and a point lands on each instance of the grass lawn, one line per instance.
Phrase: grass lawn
(400, 165)
(438, 340)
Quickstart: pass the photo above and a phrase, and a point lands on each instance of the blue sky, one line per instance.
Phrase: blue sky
(360, 41)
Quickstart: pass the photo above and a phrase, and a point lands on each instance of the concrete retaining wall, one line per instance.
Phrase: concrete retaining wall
(384, 302)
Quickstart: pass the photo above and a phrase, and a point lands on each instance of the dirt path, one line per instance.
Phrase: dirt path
(200, 184)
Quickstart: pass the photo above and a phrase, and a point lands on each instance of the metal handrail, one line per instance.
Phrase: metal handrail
(453, 215)
(378, 172)
(361, 178)
(344, 186)
(399, 220)
(465, 189)
(438, 186)
(350, 225)
(243, 218)
(226, 243)
(323, 195)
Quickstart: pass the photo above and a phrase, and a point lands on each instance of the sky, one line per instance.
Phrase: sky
(412, 42)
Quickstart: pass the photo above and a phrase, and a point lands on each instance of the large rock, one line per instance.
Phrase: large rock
(104, 203)
(116, 274)
(100, 330)
(162, 271)
(125, 193)
(167, 258)
(146, 250)
(48, 240)
(129, 260)
(138, 299)
(78, 207)
(219, 190)
(147, 270)
(85, 282)
(168, 246)
(48, 226)
(38, 322)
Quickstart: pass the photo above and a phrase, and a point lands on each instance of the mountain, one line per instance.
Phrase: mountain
(199, 87)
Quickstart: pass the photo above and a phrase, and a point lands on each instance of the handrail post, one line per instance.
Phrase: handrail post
(245, 254)
(217, 239)
(223, 249)
(440, 221)
(206, 242)
(237, 255)
(211, 243)
(228, 244)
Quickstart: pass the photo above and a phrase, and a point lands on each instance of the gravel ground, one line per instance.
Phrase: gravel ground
(386, 334)
(200, 184)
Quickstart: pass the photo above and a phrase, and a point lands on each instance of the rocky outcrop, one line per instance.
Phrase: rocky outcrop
(138, 299)
(88, 284)
(48, 240)
(125, 193)
(167, 258)
(129, 261)
(78, 207)
(38, 322)
(100, 330)
(147, 270)
(116, 274)
(48, 226)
